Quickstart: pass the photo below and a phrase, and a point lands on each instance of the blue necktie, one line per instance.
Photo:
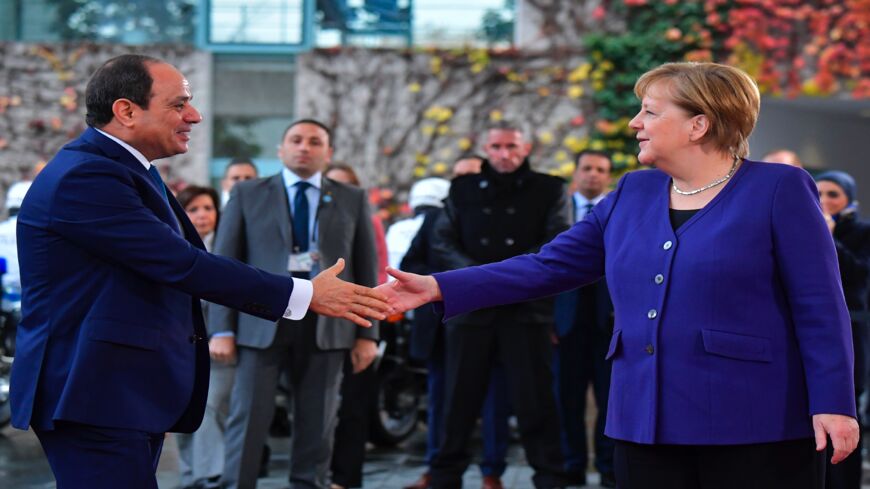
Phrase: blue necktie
(300, 217)
(155, 175)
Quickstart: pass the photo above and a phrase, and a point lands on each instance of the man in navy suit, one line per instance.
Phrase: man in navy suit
(584, 325)
(111, 346)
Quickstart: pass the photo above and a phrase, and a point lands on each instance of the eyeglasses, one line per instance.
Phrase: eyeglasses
(831, 194)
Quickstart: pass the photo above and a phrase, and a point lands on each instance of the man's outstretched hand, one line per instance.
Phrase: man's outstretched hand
(409, 290)
(334, 297)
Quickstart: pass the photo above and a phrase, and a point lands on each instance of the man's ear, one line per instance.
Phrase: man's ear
(700, 127)
(124, 111)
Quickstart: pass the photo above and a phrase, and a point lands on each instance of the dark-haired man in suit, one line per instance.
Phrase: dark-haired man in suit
(584, 325)
(111, 349)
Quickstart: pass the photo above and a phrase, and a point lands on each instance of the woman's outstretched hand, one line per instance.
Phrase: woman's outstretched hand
(409, 290)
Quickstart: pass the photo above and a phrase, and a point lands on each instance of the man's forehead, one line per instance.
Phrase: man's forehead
(504, 136)
(308, 130)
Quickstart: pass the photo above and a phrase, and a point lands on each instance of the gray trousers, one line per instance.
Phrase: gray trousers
(315, 380)
(201, 454)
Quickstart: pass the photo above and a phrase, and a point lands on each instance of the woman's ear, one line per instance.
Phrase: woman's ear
(700, 127)
(124, 110)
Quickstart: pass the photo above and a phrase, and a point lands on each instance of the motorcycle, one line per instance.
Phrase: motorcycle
(401, 399)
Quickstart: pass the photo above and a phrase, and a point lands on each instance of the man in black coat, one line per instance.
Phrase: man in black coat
(505, 210)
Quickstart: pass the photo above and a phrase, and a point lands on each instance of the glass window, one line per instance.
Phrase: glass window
(261, 22)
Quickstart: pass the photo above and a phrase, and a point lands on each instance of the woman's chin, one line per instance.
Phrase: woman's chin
(645, 160)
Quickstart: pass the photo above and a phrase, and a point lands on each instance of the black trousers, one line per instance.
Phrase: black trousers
(352, 432)
(792, 464)
(525, 352)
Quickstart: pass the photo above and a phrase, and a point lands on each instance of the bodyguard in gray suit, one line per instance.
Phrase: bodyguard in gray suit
(294, 222)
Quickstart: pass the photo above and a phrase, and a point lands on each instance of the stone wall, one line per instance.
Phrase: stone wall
(42, 103)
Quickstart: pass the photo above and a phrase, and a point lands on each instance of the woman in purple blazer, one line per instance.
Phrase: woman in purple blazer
(732, 354)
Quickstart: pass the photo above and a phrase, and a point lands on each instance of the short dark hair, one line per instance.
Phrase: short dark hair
(125, 76)
(186, 196)
(310, 121)
(594, 152)
(240, 160)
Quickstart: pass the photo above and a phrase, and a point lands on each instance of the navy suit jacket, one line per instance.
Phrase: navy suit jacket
(566, 305)
(745, 336)
(112, 332)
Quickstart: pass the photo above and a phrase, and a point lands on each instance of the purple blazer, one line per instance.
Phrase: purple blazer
(731, 330)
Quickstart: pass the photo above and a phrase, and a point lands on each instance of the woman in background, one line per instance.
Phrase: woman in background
(852, 240)
(201, 454)
(357, 387)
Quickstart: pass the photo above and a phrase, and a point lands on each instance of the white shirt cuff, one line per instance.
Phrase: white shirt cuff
(300, 299)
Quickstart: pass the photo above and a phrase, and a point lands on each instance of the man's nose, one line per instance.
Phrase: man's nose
(192, 115)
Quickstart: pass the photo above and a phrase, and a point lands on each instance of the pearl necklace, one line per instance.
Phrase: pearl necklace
(710, 185)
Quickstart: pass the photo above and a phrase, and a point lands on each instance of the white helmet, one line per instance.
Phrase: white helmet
(429, 191)
(15, 194)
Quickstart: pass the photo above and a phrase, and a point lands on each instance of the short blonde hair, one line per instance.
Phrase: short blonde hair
(726, 95)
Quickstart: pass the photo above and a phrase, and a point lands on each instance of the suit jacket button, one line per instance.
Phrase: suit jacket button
(659, 278)
(652, 314)
(668, 244)
(192, 338)
(509, 241)
(649, 349)
(484, 241)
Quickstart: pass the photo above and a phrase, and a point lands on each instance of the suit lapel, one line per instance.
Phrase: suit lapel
(116, 152)
(278, 194)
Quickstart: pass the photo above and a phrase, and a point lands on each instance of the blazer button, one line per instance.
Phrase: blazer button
(192, 338)
(652, 314)
(487, 211)
(484, 241)
(510, 211)
(649, 349)
(668, 245)
(509, 241)
(659, 278)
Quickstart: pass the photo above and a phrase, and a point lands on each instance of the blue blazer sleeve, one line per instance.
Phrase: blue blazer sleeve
(574, 258)
(815, 294)
(98, 206)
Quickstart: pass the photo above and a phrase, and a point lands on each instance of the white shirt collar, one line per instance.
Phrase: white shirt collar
(133, 151)
(291, 178)
(581, 200)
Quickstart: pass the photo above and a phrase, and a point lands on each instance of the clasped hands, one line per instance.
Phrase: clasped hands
(334, 297)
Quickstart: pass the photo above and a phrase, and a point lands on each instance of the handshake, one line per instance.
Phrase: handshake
(335, 297)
